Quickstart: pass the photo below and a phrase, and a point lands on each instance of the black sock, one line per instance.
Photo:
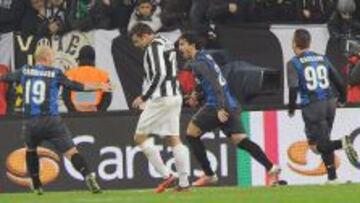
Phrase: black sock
(199, 151)
(32, 164)
(328, 146)
(80, 164)
(336, 144)
(329, 161)
(256, 152)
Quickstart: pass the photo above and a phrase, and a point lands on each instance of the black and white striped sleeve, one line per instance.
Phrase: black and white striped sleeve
(157, 64)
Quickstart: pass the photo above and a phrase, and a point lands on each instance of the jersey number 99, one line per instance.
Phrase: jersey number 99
(316, 77)
(35, 91)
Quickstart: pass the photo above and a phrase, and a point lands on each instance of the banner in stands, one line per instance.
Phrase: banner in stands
(284, 141)
(109, 148)
(7, 50)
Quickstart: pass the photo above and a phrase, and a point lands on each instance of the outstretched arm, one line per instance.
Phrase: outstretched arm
(293, 83)
(12, 77)
(73, 85)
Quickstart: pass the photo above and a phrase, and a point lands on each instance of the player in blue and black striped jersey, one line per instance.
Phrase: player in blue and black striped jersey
(318, 82)
(221, 110)
(41, 85)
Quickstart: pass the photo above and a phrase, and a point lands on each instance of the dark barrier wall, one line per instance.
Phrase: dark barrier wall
(106, 142)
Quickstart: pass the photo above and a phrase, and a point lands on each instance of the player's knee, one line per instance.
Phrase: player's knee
(140, 139)
(238, 138)
(172, 141)
(193, 130)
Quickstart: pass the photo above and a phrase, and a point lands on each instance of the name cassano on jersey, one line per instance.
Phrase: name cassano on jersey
(39, 73)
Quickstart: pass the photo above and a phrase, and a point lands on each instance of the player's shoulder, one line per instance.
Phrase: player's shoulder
(161, 41)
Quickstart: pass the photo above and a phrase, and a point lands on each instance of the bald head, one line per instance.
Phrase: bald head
(44, 55)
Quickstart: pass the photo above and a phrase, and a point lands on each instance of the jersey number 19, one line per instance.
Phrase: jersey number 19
(35, 91)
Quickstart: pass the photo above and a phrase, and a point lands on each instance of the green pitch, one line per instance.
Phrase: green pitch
(290, 194)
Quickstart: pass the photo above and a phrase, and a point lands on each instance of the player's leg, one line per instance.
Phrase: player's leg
(32, 164)
(235, 130)
(80, 164)
(244, 143)
(60, 136)
(152, 153)
(182, 161)
(203, 121)
(317, 132)
(343, 143)
(150, 123)
(328, 145)
(31, 157)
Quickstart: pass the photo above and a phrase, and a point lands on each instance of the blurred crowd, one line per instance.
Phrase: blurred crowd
(56, 17)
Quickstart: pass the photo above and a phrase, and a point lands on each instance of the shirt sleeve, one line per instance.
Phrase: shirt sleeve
(69, 84)
(292, 76)
(202, 69)
(337, 81)
(293, 83)
(12, 77)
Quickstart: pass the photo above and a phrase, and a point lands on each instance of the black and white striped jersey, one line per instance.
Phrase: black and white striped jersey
(160, 67)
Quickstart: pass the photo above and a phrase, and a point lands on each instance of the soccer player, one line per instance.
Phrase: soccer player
(221, 110)
(161, 102)
(312, 75)
(41, 89)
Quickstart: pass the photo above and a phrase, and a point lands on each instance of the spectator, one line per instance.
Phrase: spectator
(34, 16)
(87, 73)
(255, 10)
(148, 13)
(282, 10)
(315, 11)
(197, 16)
(85, 15)
(220, 9)
(11, 12)
(120, 12)
(55, 17)
(342, 23)
(357, 10)
(174, 14)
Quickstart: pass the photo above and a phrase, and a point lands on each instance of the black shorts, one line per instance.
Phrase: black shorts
(207, 120)
(319, 118)
(47, 128)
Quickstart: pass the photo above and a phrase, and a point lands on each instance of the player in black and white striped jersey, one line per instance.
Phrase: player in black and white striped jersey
(161, 102)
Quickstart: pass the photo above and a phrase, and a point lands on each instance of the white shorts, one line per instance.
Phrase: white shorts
(161, 117)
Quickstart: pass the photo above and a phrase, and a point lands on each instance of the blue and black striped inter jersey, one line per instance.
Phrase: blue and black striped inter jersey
(314, 76)
(216, 89)
(41, 86)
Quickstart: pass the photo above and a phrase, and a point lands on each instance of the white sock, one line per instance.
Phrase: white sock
(154, 157)
(182, 163)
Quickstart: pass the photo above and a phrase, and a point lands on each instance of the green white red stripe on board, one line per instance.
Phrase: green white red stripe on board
(266, 124)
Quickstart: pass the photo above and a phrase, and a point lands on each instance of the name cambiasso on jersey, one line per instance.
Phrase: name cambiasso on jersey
(313, 74)
(41, 90)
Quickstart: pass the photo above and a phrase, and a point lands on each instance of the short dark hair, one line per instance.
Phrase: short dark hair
(193, 39)
(302, 38)
(140, 29)
(139, 2)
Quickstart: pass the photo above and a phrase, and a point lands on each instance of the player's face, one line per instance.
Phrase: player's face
(185, 49)
(140, 42)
